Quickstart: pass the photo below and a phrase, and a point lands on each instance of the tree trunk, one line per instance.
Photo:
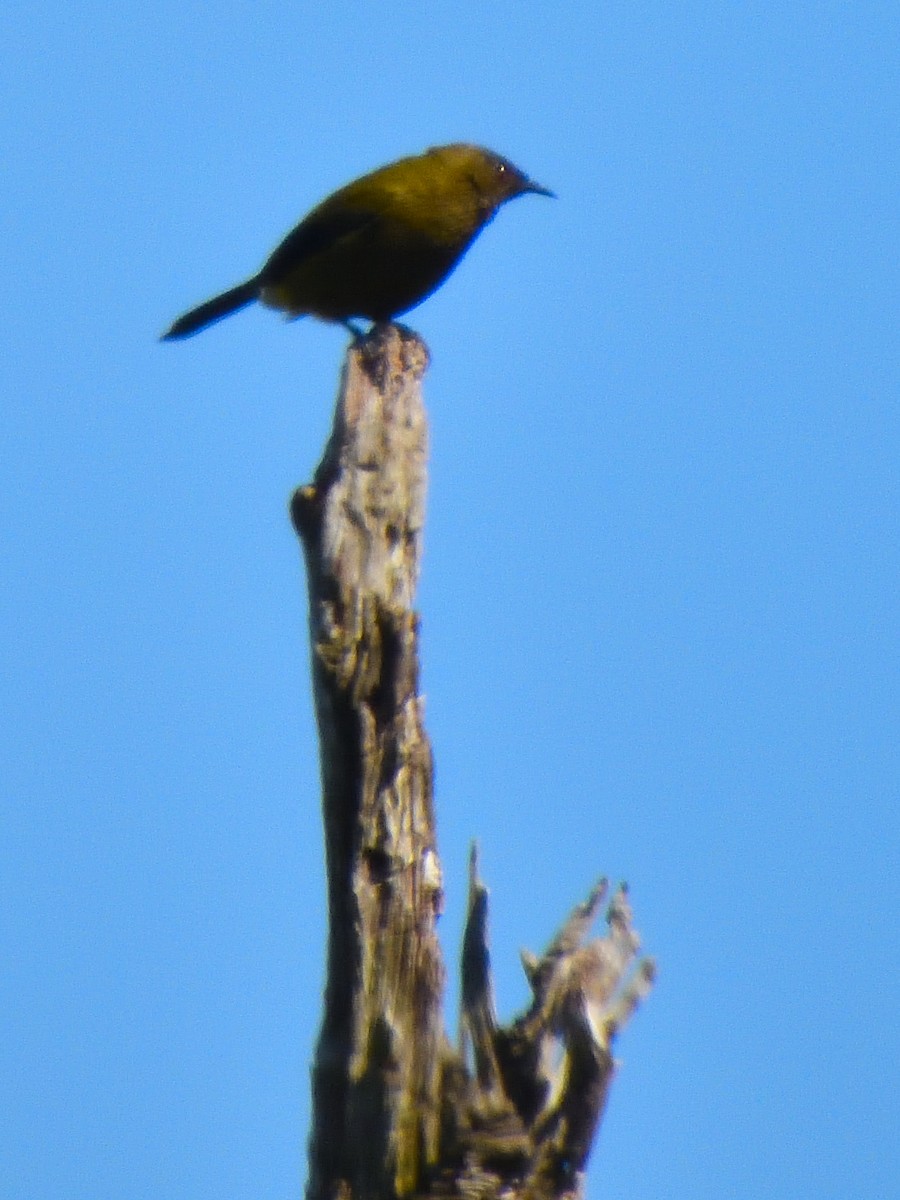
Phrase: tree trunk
(396, 1111)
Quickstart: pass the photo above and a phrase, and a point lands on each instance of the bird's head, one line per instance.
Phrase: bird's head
(494, 178)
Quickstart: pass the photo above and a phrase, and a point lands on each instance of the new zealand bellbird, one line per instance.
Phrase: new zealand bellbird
(377, 247)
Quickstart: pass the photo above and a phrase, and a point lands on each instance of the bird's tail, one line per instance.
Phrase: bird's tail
(213, 310)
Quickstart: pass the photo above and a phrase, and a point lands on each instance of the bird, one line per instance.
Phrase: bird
(380, 245)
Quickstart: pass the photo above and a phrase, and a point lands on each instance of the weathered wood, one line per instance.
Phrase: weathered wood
(396, 1111)
(375, 1077)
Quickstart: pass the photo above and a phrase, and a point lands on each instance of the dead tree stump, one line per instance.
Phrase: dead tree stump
(397, 1111)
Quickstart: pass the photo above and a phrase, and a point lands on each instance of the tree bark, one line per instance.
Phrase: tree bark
(397, 1111)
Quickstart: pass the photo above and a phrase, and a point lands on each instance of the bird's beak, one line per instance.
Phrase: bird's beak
(531, 186)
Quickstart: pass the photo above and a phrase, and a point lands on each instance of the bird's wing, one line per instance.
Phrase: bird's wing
(316, 233)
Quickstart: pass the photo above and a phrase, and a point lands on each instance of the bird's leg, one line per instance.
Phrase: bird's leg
(358, 334)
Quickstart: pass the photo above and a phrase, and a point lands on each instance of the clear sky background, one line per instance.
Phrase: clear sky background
(660, 589)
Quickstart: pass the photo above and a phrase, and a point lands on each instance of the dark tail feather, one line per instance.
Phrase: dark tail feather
(213, 310)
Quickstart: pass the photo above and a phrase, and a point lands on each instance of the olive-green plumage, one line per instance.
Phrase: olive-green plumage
(377, 247)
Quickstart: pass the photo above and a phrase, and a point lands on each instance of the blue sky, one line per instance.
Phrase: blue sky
(660, 587)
